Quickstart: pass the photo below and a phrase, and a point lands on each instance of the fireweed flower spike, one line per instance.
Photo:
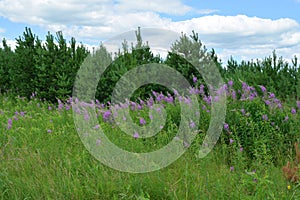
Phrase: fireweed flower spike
(136, 135)
(226, 127)
(9, 124)
(192, 124)
(195, 79)
(142, 121)
(263, 89)
(265, 117)
(272, 95)
(106, 115)
(298, 104)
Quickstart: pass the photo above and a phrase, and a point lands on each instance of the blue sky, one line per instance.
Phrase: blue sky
(242, 29)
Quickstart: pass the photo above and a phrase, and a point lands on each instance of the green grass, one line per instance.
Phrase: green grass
(37, 164)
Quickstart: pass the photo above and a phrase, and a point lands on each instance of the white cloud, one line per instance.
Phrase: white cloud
(206, 11)
(11, 43)
(93, 21)
(238, 25)
(166, 6)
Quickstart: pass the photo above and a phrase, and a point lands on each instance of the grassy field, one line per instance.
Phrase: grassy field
(42, 157)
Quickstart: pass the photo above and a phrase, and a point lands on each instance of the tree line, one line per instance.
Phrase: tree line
(48, 68)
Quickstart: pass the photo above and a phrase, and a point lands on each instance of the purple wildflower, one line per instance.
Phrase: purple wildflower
(60, 106)
(106, 115)
(265, 117)
(207, 99)
(136, 135)
(160, 97)
(226, 127)
(169, 99)
(272, 95)
(272, 123)
(9, 124)
(201, 89)
(233, 94)
(231, 141)
(142, 121)
(216, 98)
(32, 95)
(279, 105)
(175, 92)
(192, 124)
(241, 149)
(67, 107)
(187, 100)
(276, 100)
(151, 116)
(158, 110)
(298, 104)
(230, 83)
(195, 79)
(252, 96)
(132, 105)
(232, 168)
(142, 102)
(293, 111)
(243, 111)
(150, 102)
(49, 131)
(263, 89)
(86, 117)
(267, 102)
(286, 118)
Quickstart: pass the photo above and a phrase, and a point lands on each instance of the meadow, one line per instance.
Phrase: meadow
(42, 156)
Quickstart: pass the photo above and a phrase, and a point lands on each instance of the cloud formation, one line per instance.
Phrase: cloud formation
(92, 21)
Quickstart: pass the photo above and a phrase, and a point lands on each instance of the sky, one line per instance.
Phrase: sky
(243, 29)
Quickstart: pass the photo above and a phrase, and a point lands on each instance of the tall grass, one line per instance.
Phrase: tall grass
(42, 156)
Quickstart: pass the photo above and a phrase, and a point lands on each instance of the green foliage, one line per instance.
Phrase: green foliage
(23, 74)
(49, 68)
(37, 163)
(46, 69)
(6, 64)
(124, 62)
(272, 72)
